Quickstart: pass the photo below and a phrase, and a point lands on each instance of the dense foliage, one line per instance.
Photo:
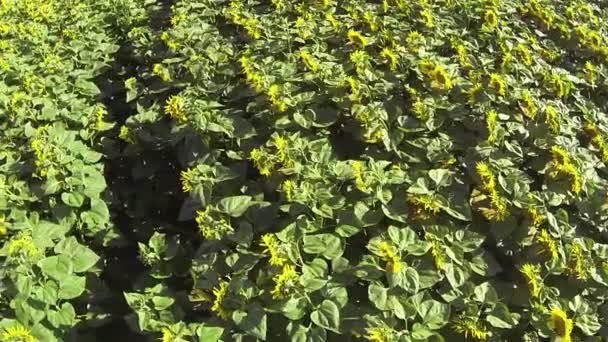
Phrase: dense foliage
(241, 170)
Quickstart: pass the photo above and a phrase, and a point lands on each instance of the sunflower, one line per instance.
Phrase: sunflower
(17, 333)
(561, 324)
(491, 19)
(357, 38)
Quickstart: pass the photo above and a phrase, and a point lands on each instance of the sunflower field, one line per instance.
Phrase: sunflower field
(303, 170)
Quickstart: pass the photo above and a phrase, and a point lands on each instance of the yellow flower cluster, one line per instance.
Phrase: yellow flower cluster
(176, 108)
(590, 73)
(474, 92)
(162, 72)
(220, 294)
(186, 178)
(357, 39)
(471, 328)
(539, 11)
(439, 258)
(210, 227)
(100, 114)
(41, 151)
(272, 248)
(463, 54)
(528, 105)
(262, 160)
(427, 18)
(498, 83)
(533, 278)
(388, 254)
(359, 180)
(578, 264)
(167, 335)
(597, 139)
(380, 334)
(353, 84)
(424, 206)
(17, 333)
(524, 54)
(239, 17)
(392, 59)
(548, 244)
(590, 39)
(488, 182)
(166, 38)
(360, 59)
(335, 24)
(253, 77)
(275, 95)
(439, 76)
(561, 324)
(414, 41)
(371, 20)
(562, 164)
(552, 119)
(309, 61)
(289, 187)
(560, 86)
(284, 281)
(125, 134)
(491, 19)
(491, 120)
(23, 244)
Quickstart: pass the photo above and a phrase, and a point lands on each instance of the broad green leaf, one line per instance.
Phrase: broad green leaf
(234, 206)
(434, 314)
(327, 316)
(295, 308)
(82, 257)
(209, 333)
(73, 199)
(66, 316)
(71, 287)
(328, 245)
(58, 267)
(501, 317)
(252, 322)
(378, 296)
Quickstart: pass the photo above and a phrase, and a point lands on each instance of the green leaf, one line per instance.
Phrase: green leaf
(71, 287)
(162, 302)
(485, 293)
(328, 245)
(402, 237)
(407, 279)
(73, 199)
(82, 257)
(252, 322)
(347, 230)
(456, 275)
(421, 332)
(50, 292)
(297, 332)
(327, 316)
(295, 308)
(501, 317)
(86, 87)
(50, 230)
(378, 295)
(234, 206)
(337, 294)
(434, 314)
(208, 333)
(58, 267)
(66, 316)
